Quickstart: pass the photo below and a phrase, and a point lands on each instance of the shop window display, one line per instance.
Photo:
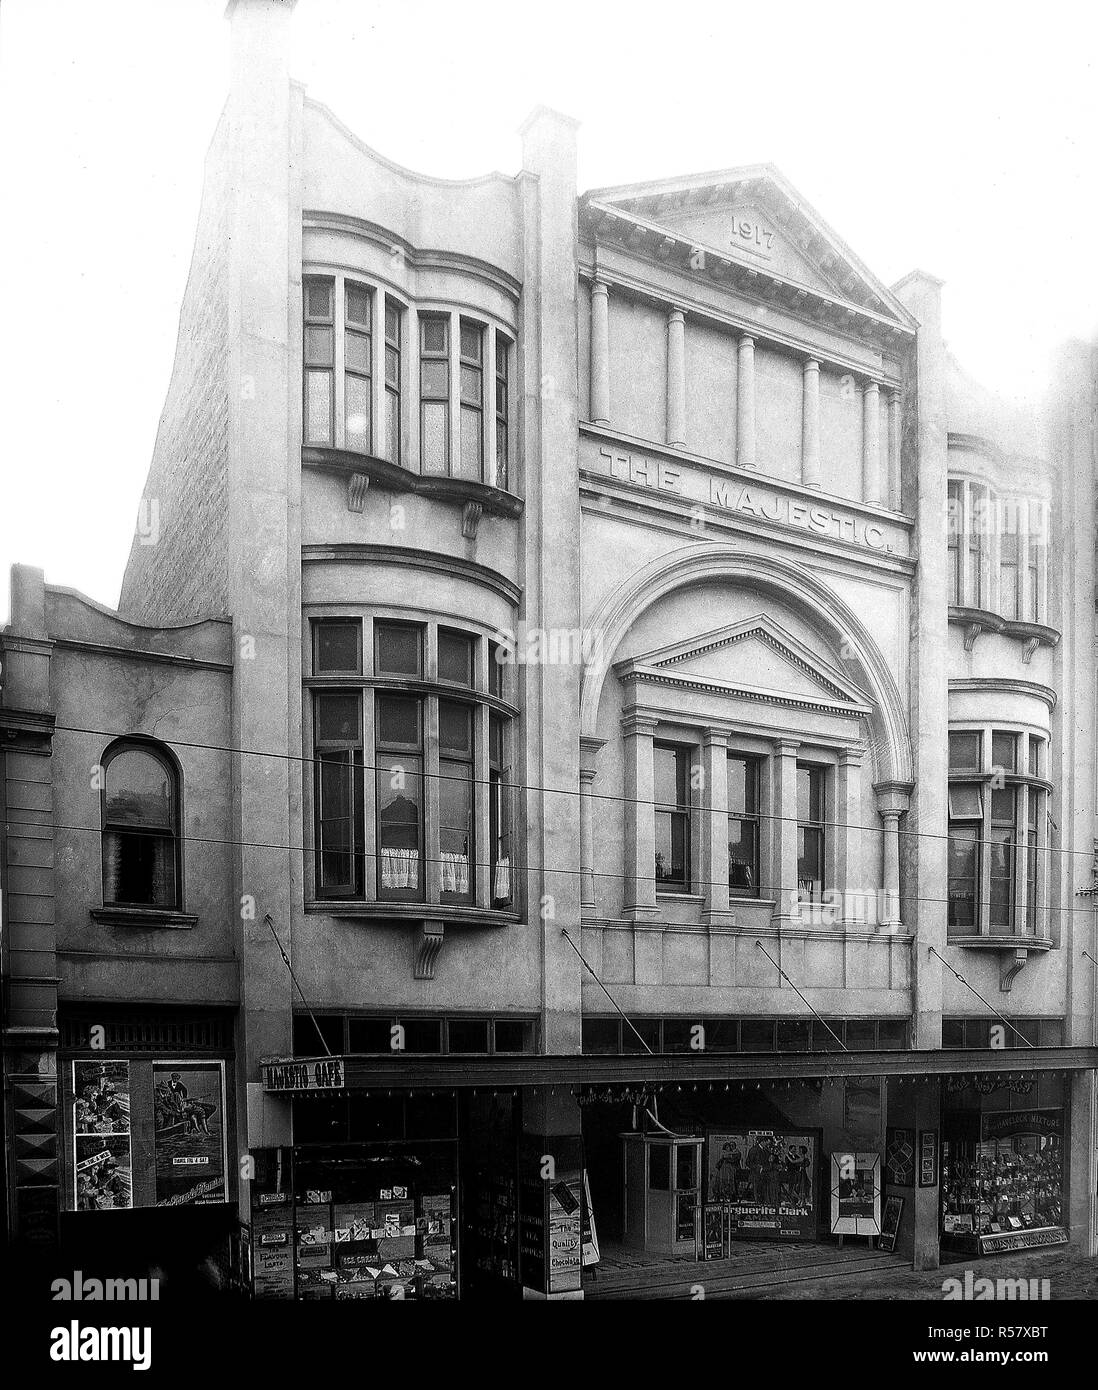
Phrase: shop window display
(1003, 1180)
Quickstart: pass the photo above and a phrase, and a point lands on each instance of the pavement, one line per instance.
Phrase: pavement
(1069, 1275)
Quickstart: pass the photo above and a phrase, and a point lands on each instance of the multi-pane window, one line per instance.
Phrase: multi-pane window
(500, 818)
(811, 788)
(472, 399)
(955, 530)
(141, 843)
(743, 825)
(503, 347)
(357, 359)
(671, 770)
(337, 722)
(392, 381)
(434, 776)
(455, 799)
(996, 549)
(319, 361)
(434, 393)
(997, 814)
(398, 760)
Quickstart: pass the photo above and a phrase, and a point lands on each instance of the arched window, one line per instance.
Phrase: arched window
(141, 859)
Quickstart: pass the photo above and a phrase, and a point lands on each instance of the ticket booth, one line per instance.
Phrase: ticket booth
(662, 1174)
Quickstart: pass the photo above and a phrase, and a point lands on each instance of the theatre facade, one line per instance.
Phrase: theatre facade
(595, 753)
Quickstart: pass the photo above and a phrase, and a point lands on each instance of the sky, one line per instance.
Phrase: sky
(958, 137)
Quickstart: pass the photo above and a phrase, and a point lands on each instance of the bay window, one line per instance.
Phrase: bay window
(434, 393)
(997, 815)
(357, 359)
(471, 458)
(441, 762)
(503, 346)
(996, 547)
(393, 378)
(319, 362)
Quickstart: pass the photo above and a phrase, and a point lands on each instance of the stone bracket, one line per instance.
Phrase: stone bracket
(358, 485)
(428, 947)
(1010, 962)
(470, 519)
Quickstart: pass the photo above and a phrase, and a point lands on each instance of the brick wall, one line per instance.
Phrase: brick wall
(177, 567)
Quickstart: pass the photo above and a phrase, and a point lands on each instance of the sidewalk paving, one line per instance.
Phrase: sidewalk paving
(1070, 1276)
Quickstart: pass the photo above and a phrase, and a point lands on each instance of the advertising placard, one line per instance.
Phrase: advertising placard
(189, 1133)
(856, 1194)
(766, 1179)
(102, 1162)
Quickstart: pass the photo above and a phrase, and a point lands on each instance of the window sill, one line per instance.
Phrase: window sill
(680, 895)
(415, 911)
(976, 621)
(474, 497)
(144, 917)
(1006, 941)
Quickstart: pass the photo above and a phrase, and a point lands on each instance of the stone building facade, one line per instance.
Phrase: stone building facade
(603, 671)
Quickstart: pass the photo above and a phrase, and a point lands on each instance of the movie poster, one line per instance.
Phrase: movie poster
(189, 1137)
(767, 1180)
(856, 1194)
(102, 1165)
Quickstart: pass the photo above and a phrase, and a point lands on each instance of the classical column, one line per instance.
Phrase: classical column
(895, 421)
(589, 748)
(871, 443)
(600, 353)
(810, 424)
(893, 799)
(714, 827)
(676, 379)
(783, 875)
(745, 404)
(639, 897)
(849, 864)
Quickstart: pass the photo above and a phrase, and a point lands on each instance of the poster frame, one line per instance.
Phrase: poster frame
(856, 1225)
(194, 1062)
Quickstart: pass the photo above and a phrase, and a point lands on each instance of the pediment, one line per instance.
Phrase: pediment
(755, 218)
(755, 659)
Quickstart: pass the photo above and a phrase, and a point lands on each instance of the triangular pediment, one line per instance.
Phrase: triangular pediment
(756, 658)
(753, 217)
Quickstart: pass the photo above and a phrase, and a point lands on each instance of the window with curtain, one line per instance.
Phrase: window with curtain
(337, 790)
(398, 758)
(997, 818)
(500, 817)
(141, 842)
(357, 363)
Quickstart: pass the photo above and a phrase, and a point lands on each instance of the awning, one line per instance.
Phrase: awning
(309, 1075)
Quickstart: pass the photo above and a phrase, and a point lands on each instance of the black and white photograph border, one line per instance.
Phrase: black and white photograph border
(548, 703)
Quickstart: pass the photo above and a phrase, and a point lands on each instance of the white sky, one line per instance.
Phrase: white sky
(960, 137)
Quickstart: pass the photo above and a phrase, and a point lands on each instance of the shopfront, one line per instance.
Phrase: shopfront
(1004, 1183)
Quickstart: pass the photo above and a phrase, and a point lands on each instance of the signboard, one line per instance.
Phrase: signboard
(766, 1180)
(1009, 1123)
(742, 498)
(900, 1157)
(856, 1194)
(189, 1134)
(102, 1162)
(713, 1232)
(1023, 1240)
(890, 1223)
(565, 1234)
(928, 1158)
(321, 1074)
(272, 1246)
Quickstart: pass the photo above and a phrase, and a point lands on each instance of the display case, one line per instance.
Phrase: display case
(1002, 1180)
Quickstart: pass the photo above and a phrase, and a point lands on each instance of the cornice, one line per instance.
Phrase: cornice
(365, 552)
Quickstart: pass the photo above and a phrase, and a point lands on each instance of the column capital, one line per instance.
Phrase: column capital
(810, 364)
(600, 287)
(871, 388)
(675, 315)
(747, 340)
(590, 746)
(786, 747)
(895, 395)
(638, 724)
(893, 798)
(851, 757)
(716, 735)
